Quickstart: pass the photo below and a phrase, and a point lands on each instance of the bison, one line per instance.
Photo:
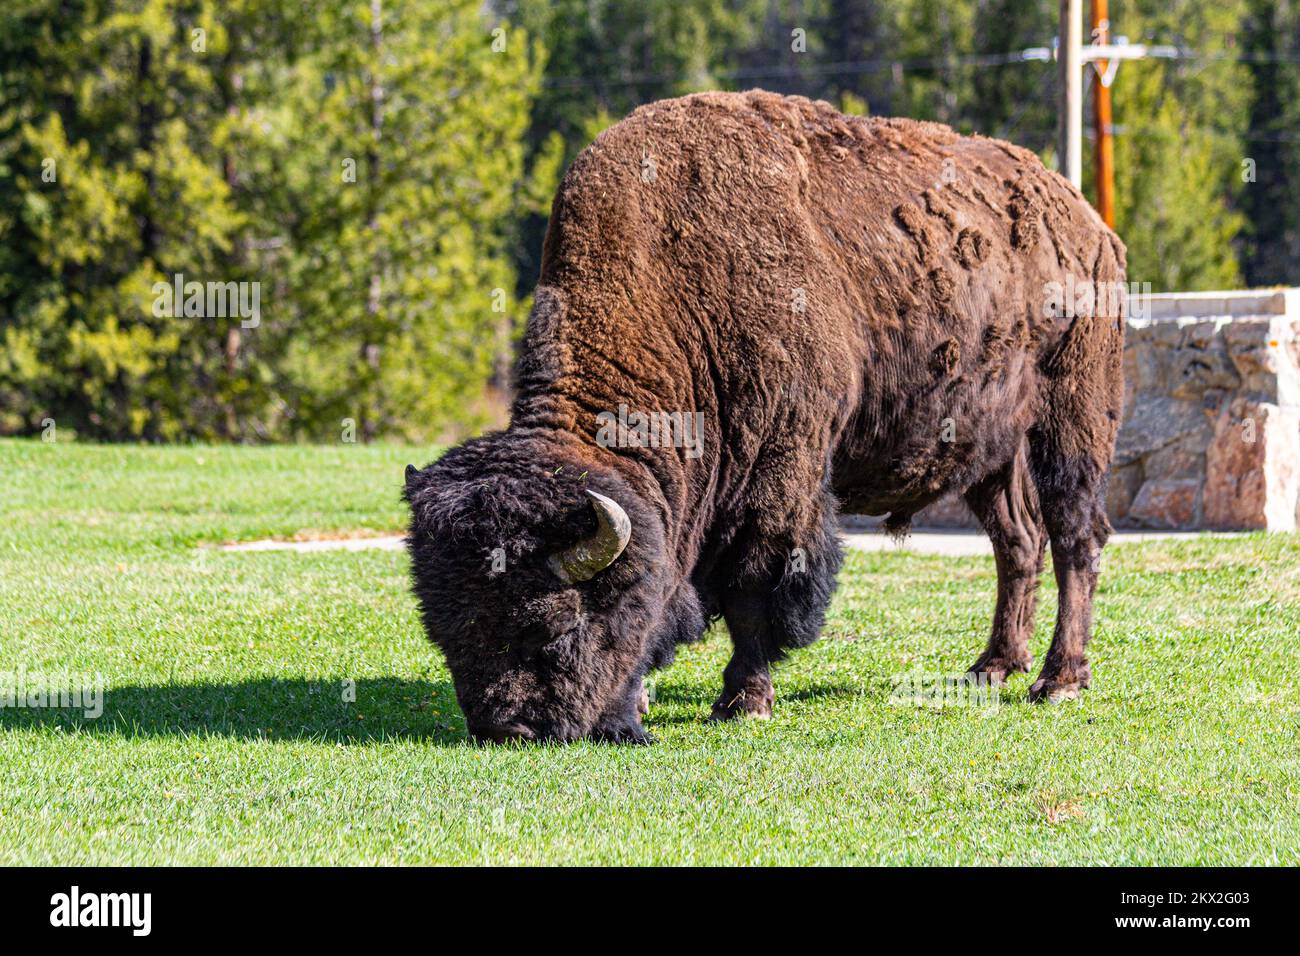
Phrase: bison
(856, 315)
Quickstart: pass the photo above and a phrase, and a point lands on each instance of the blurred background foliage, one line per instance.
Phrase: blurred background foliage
(383, 168)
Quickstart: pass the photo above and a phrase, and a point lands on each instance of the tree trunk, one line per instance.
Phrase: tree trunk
(371, 410)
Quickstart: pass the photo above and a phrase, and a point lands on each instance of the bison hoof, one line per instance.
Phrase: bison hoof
(628, 734)
(1065, 682)
(1055, 691)
(752, 701)
(996, 669)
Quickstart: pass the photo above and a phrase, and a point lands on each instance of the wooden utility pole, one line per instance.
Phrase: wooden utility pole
(1106, 57)
(1070, 62)
(1105, 144)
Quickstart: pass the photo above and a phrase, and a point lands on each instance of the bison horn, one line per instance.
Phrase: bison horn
(592, 555)
(411, 472)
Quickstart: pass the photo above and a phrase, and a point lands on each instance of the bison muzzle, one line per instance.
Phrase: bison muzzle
(858, 315)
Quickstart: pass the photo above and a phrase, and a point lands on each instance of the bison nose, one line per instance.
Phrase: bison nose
(502, 733)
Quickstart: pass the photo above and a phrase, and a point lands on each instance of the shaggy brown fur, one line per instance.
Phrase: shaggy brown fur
(861, 309)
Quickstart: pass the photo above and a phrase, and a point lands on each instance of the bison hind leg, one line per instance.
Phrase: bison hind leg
(1070, 451)
(1006, 504)
(1072, 492)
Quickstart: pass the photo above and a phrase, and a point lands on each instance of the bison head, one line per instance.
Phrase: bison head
(541, 578)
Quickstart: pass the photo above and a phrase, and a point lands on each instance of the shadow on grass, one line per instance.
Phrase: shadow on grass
(329, 709)
(700, 704)
(823, 692)
(674, 694)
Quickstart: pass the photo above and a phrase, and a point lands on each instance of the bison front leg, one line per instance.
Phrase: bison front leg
(746, 681)
(767, 619)
(621, 723)
(1006, 504)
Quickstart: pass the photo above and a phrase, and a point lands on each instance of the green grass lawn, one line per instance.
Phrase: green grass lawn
(226, 738)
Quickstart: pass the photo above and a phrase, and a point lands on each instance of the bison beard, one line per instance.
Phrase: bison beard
(857, 311)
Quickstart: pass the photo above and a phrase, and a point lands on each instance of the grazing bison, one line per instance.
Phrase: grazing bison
(859, 315)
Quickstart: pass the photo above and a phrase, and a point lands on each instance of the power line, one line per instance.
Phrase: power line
(1030, 55)
(814, 69)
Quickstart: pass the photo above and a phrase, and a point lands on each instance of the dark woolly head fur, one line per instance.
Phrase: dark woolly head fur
(534, 656)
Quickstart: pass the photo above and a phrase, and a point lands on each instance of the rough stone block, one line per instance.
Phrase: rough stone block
(1156, 421)
(1253, 468)
(1167, 504)
(1120, 492)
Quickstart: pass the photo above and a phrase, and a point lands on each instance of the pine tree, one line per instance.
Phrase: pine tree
(404, 151)
(362, 169)
(1014, 100)
(1271, 190)
(111, 191)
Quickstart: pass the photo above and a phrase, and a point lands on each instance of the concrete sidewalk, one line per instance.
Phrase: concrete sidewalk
(391, 542)
(941, 542)
(966, 543)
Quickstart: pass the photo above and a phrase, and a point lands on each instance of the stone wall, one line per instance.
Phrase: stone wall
(1211, 432)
